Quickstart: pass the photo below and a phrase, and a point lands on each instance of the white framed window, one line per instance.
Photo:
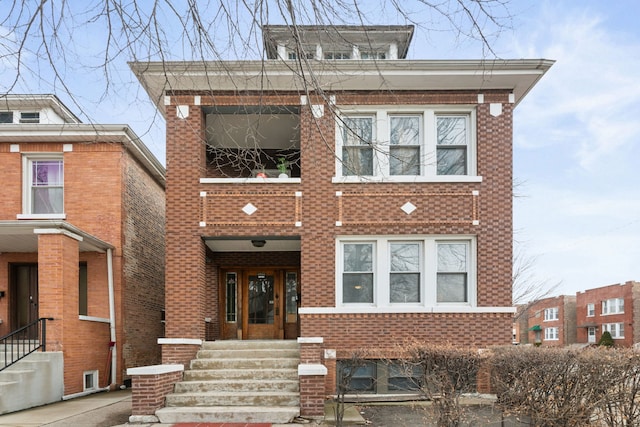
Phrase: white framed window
(615, 329)
(613, 306)
(373, 54)
(404, 271)
(30, 117)
(550, 314)
(337, 55)
(6, 117)
(43, 193)
(404, 143)
(90, 380)
(551, 334)
(591, 309)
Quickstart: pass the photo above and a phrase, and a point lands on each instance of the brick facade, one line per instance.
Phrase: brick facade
(629, 292)
(210, 215)
(536, 323)
(113, 201)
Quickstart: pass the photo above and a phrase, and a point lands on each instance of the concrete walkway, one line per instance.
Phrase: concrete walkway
(109, 409)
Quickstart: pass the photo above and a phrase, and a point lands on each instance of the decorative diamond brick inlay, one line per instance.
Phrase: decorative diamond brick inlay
(408, 208)
(249, 209)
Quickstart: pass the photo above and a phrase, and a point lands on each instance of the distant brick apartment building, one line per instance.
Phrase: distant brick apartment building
(614, 308)
(550, 322)
(394, 221)
(81, 239)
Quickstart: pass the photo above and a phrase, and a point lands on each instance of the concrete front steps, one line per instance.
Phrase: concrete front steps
(238, 382)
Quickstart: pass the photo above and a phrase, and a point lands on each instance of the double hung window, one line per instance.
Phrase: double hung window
(591, 310)
(386, 271)
(551, 334)
(615, 329)
(550, 314)
(613, 306)
(44, 185)
(403, 143)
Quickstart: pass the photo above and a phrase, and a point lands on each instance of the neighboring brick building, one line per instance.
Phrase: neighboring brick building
(395, 220)
(81, 239)
(549, 321)
(611, 308)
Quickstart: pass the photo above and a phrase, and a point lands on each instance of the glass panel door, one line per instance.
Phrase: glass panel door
(261, 301)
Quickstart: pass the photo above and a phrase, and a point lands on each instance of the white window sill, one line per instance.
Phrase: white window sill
(610, 314)
(250, 181)
(410, 309)
(404, 179)
(94, 319)
(41, 216)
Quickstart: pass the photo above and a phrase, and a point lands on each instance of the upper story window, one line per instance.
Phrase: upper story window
(337, 55)
(30, 117)
(373, 54)
(390, 271)
(551, 314)
(44, 185)
(613, 306)
(591, 310)
(291, 54)
(399, 145)
(6, 117)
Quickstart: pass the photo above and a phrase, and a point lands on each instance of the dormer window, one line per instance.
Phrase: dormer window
(337, 55)
(294, 55)
(6, 117)
(373, 54)
(30, 117)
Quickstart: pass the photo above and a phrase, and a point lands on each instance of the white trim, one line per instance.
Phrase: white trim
(310, 340)
(155, 369)
(409, 179)
(58, 231)
(250, 180)
(14, 148)
(85, 393)
(312, 369)
(428, 274)
(41, 216)
(402, 309)
(67, 148)
(94, 319)
(179, 341)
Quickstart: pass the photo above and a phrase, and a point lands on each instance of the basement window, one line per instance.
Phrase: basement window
(90, 380)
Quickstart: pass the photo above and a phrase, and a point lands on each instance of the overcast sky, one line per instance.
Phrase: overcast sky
(576, 136)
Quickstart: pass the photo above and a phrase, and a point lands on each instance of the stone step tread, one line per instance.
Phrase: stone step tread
(241, 374)
(237, 381)
(249, 353)
(236, 393)
(213, 345)
(246, 414)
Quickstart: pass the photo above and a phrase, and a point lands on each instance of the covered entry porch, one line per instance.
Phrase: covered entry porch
(254, 287)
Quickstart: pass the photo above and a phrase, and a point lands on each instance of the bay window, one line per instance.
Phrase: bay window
(403, 271)
(406, 143)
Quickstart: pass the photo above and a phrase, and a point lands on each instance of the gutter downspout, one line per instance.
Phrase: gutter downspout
(112, 315)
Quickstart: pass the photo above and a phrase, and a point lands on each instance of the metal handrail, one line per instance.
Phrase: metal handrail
(24, 341)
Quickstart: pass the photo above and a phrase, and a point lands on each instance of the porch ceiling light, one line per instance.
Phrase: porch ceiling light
(258, 243)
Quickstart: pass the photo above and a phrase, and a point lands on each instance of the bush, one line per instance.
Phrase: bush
(606, 340)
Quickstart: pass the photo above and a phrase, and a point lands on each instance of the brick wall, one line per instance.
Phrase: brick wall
(149, 391)
(185, 272)
(566, 322)
(595, 296)
(143, 266)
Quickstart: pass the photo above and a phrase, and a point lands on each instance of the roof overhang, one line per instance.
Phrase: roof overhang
(85, 133)
(21, 102)
(164, 78)
(22, 236)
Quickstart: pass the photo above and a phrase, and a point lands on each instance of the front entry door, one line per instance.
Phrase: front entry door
(263, 305)
(259, 303)
(24, 289)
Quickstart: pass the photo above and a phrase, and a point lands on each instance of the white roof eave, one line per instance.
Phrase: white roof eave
(518, 76)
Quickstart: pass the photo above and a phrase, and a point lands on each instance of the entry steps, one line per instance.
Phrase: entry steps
(252, 381)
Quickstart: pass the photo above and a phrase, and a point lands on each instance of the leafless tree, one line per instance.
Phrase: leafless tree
(46, 44)
(526, 286)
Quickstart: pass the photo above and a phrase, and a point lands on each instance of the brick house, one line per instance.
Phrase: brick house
(549, 321)
(81, 242)
(609, 308)
(394, 220)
